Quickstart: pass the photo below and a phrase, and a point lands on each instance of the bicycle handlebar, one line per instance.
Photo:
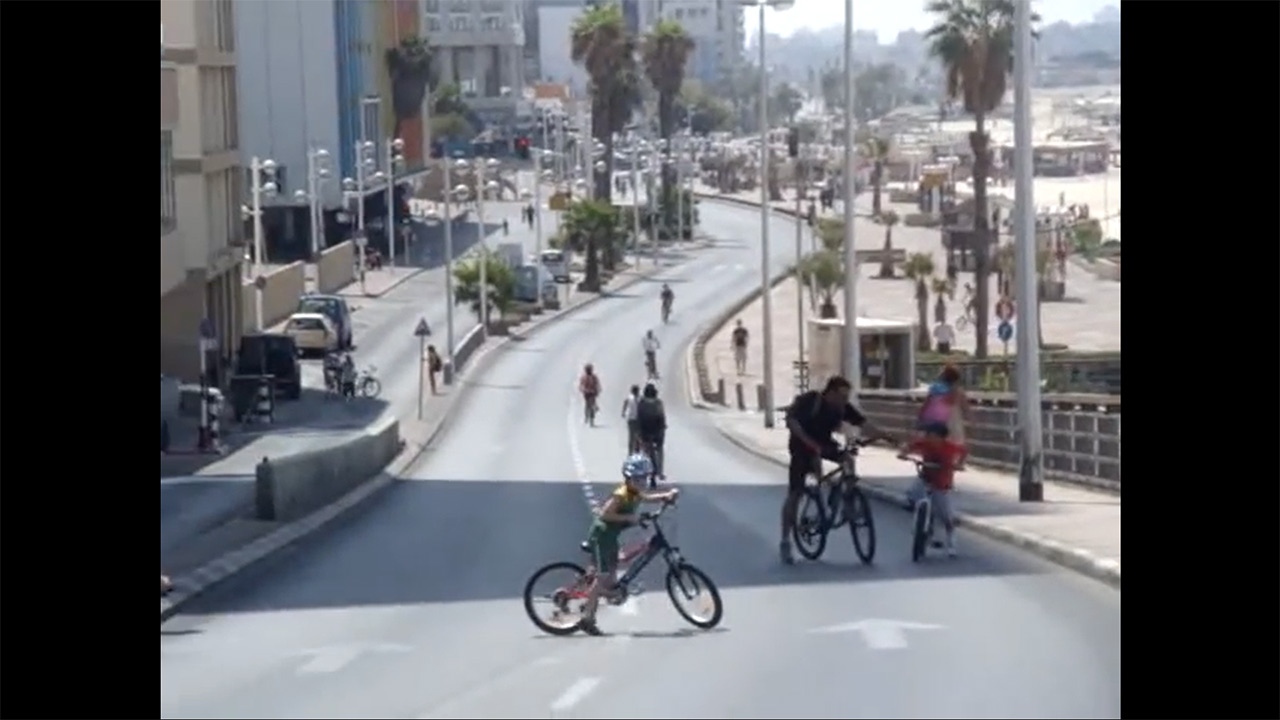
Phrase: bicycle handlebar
(648, 517)
(921, 465)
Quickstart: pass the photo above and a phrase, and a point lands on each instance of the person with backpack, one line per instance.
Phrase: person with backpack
(651, 427)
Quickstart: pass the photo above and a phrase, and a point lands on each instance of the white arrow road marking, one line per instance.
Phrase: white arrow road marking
(879, 634)
(335, 657)
(574, 694)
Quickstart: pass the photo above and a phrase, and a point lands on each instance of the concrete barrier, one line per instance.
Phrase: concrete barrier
(466, 347)
(279, 295)
(336, 267)
(289, 488)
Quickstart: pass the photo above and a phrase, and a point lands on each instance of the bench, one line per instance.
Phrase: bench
(897, 256)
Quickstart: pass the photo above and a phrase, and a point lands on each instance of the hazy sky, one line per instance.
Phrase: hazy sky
(889, 17)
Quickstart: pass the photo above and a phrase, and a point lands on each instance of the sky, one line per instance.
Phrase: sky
(889, 17)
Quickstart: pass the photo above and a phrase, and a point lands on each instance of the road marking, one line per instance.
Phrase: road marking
(879, 634)
(575, 694)
(630, 607)
(575, 451)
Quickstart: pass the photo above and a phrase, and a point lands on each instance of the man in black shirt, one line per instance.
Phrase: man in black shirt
(812, 418)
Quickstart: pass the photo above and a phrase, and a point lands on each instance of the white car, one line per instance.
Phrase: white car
(557, 263)
(312, 332)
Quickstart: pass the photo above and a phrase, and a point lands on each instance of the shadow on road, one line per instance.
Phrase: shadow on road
(436, 541)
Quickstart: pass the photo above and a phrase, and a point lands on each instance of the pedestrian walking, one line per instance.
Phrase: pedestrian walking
(944, 335)
(630, 404)
(739, 342)
(434, 366)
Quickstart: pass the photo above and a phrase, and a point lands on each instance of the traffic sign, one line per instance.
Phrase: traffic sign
(260, 282)
(1005, 331)
(1005, 309)
(423, 330)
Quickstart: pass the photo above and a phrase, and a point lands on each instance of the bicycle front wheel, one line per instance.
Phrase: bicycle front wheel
(861, 526)
(371, 388)
(920, 531)
(561, 589)
(694, 596)
(810, 528)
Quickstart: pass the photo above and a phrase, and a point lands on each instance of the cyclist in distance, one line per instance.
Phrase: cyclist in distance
(651, 346)
(589, 385)
(935, 449)
(668, 297)
(618, 513)
(812, 419)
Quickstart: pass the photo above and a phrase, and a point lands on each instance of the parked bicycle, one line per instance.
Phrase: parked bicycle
(685, 584)
(832, 502)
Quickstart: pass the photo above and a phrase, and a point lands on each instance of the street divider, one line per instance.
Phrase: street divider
(291, 487)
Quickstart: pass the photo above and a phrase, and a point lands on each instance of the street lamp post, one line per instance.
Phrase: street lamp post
(539, 176)
(679, 193)
(481, 187)
(1031, 471)
(395, 160)
(317, 173)
(354, 189)
(801, 186)
(635, 198)
(448, 265)
(849, 335)
(262, 184)
(767, 323)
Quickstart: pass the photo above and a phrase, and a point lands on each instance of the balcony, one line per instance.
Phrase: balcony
(168, 96)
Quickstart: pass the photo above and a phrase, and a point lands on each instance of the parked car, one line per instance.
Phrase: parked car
(312, 332)
(274, 354)
(333, 307)
(557, 263)
(526, 285)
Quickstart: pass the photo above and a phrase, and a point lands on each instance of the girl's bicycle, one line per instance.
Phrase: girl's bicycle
(922, 521)
(686, 584)
(831, 503)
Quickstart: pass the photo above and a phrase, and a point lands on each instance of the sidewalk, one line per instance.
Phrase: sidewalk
(1074, 527)
(1089, 320)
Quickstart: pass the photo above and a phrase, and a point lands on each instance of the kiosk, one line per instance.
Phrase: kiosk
(888, 352)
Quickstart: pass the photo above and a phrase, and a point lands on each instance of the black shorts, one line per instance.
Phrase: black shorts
(805, 463)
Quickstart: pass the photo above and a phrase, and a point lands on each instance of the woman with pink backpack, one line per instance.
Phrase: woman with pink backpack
(945, 407)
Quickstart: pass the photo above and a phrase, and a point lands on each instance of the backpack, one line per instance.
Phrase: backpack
(649, 415)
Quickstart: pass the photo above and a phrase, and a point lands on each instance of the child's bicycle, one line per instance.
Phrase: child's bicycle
(922, 522)
(685, 584)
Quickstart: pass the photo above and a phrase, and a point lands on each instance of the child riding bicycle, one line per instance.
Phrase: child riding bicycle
(941, 457)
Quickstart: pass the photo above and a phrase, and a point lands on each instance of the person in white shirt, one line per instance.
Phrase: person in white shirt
(943, 335)
(651, 346)
(629, 405)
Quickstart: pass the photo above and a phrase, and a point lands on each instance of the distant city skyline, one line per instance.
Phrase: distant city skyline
(888, 18)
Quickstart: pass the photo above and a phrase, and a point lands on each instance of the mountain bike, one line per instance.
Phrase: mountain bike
(922, 520)
(832, 502)
(685, 584)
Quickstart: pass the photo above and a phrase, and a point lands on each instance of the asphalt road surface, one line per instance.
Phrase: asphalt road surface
(409, 607)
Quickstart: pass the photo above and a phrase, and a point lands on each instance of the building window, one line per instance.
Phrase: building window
(222, 207)
(460, 6)
(431, 6)
(433, 23)
(492, 6)
(218, 109)
(460, 23)
(224, 26)
(168, 195)
(491, 22)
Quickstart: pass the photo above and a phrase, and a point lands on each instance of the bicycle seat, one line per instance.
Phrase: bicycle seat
(586, 546)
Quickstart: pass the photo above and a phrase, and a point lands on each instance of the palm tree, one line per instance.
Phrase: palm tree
(973, 39)
(600, 43)
(825, 269)
(500, 279)
(589, 226)
(409, 67)
(888, 219)
(919, 268)
(877, 149)
(665, 52)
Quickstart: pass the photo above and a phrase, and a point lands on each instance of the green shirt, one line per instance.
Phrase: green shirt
(628, 501)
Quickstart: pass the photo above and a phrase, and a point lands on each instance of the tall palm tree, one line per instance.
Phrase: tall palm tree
(973, 39)
(665, 52)
(409, 66)
(888, 219)
(877, 149)
(589, 226)
(919, 268)
(600, 43)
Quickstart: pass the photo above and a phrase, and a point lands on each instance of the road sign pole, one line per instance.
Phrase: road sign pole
(422, 351)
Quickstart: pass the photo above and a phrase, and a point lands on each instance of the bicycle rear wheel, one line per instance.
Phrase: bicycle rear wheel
(810, 528)
(861, 526)
(920, 530)
(565, 597)
(370, 388)
(688, 584)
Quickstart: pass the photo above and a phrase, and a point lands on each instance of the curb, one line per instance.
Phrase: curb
(192, 584)
(1081, 561)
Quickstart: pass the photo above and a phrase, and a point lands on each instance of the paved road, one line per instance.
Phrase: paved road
(409, 608)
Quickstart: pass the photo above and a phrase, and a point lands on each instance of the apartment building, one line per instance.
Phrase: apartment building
(479, 46)
(201, 183)
(716, 26)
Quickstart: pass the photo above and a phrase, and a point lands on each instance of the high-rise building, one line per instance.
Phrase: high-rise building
(201, 181)
(716, 26)
(479, 46)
